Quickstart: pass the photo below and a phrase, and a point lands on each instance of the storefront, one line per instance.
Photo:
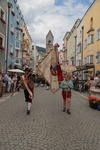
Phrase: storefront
(84, 71)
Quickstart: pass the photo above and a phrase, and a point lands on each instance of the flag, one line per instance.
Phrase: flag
(50, 69)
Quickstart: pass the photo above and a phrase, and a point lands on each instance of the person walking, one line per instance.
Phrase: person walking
(28, 86)
(66, 86)
(14, 80)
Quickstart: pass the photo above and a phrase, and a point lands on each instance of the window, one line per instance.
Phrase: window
(91, 39)
(98, 34)
(2, 15)
(17, 53)
(88, 59)
(12, 29)
(17, 20)
(91, 59)
(2, 42)
(80, 34)
(85, 60)
(78, 62)
(11, 49)
(91, 21)
(85, 43)
(17, 45)
(98, 57)
(17, 61)
(12, 11)
(15, 1)
(17, 35)
(79, 49)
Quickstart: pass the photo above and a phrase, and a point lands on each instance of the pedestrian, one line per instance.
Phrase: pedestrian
(66, 86)
(14, 80)
(28, 86)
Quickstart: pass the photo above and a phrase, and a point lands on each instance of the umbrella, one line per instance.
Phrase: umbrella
(68, 68)
(16, 70)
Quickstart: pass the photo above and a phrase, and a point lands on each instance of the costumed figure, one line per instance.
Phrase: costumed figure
(66, 86)
(28, 86)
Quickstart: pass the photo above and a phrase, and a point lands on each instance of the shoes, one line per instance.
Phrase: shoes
(28, 112)
(64, 109)
(68, 111)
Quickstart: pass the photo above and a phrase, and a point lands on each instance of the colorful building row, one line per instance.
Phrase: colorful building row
(82, 43)
(14, 37)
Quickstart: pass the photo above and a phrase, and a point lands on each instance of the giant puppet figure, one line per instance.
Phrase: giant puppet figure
(28, 86)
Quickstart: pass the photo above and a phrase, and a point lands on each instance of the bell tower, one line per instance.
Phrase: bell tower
(49, 40)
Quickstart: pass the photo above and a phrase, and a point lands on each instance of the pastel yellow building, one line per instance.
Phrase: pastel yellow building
(91, 37)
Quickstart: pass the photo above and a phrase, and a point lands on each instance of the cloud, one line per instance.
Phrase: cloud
(44, 15)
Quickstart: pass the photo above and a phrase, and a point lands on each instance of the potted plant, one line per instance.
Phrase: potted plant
(93, 102)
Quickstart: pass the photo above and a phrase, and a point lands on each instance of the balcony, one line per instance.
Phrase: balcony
(17, 62)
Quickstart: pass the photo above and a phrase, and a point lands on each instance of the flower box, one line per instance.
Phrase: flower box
(93, 102)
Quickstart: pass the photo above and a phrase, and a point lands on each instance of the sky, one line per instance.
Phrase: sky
(58, 16)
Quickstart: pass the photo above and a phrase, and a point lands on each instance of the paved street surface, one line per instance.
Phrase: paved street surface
(47, 127)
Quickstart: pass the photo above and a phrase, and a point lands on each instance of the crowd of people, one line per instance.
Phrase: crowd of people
(9, 82)
(84, 85)
(12, 81)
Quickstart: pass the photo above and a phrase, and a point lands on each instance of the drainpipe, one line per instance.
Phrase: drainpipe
(82, 48)
(75, 49)
(9, 5)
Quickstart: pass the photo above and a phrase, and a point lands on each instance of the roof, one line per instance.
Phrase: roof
(66, 35)
(50, 33)
(89, 8)
(41, 49)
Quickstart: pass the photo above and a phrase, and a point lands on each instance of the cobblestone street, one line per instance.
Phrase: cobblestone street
(47, 127)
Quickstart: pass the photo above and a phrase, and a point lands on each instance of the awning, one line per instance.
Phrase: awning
(85, 67)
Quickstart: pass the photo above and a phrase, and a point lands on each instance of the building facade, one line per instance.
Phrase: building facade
(14, 36)
(91, 53)
(38, 54)
(27, 55)
(64, 49)
(79, 45)
(71, 44)
(79, 49)
(3, 34)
